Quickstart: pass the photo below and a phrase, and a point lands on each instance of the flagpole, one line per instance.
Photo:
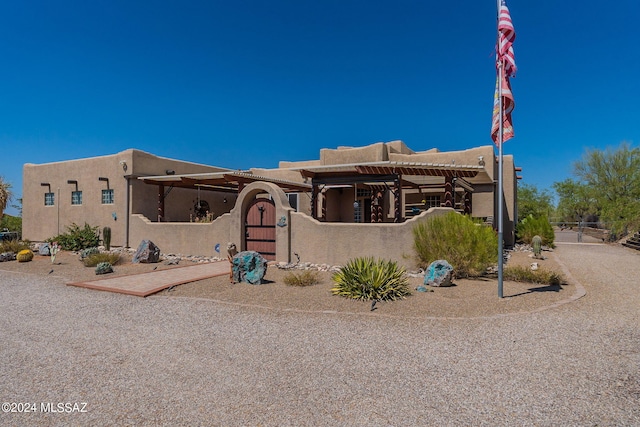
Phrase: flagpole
(500, 167)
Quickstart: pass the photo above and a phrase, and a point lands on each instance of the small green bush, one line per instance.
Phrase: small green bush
(371, 279)
(77, 238)
(466, 244)
(304, 278)
(519, 273)
(94, 259)
(14, 246)
(535, 226)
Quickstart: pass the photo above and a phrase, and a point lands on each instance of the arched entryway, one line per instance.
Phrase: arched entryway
(260, 228)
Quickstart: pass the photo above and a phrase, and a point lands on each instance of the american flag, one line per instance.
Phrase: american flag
(506, 36)
(506, 59)
(508, 105)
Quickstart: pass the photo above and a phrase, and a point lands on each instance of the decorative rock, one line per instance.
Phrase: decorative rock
(88, 251)
(44, 250)
(249, 267)
(439, 273)
(7, 256)
(104, 268)
(147, 253)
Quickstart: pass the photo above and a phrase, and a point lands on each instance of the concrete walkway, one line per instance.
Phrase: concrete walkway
(168, 361)
(145, 284)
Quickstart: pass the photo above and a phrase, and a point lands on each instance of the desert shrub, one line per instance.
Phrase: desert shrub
(371, 279)
(519, 273)
(96, 258)
(14, 246)
(535, 226)
(304, 278)
(77, 238)
(466, 244)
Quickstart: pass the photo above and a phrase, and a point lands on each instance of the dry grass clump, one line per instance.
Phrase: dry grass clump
(305, 278)
(14, 246)
(518, 273)
(95, 259)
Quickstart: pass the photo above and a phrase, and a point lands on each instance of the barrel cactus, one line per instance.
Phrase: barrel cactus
(104, 268)
(106, 237)
(536, 242)
(24, 255)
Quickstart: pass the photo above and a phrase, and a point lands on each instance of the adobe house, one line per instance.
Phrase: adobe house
(352, 201)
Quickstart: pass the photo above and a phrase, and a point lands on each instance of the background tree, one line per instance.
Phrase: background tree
(576, 201)
(531, 201)
(608, 184)
(5, 195)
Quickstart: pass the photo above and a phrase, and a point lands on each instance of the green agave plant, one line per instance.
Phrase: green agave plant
(370, 279)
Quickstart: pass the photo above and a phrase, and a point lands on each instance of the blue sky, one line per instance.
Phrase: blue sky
(248, 83)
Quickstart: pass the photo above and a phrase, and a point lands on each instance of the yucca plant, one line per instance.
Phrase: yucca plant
(370, 279)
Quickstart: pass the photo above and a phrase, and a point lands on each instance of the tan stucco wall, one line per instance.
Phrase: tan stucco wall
(302, 234)
(41, 222)
(371, 153)
(337, 243)
(183, 237)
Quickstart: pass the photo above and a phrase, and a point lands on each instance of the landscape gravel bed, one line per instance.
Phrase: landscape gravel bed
(196, 361)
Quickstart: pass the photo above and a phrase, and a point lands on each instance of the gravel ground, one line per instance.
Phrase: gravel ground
(193, 361)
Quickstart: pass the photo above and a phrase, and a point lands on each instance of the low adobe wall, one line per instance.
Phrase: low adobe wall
(187, 238)
(314, 241)
(337, 243)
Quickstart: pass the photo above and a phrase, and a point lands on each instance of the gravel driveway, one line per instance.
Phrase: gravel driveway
(172, 361)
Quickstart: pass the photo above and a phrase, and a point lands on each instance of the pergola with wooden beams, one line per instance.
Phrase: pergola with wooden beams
(396, 176)
(226, 181)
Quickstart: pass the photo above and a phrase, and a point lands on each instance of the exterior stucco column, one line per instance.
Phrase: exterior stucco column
(160, 202)
(448, 192)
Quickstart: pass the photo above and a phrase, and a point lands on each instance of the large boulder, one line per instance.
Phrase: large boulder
(249, 267)
(147, 253)
(438, 273)
(44, 249)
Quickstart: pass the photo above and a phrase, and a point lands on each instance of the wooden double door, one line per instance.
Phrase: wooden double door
(260, 228)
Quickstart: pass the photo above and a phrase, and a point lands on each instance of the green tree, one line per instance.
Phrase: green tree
(534, 202)
(575, 200)
(608, 184)
(5, 195)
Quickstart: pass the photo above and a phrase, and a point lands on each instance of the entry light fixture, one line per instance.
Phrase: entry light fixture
(170, 172)
(124, 165)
